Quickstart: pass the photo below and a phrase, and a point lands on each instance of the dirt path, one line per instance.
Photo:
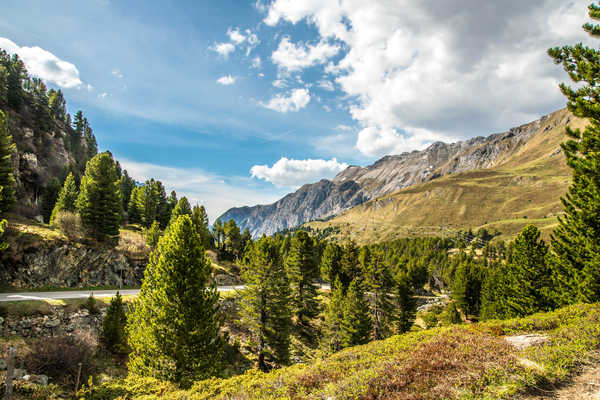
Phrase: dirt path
(585, 386)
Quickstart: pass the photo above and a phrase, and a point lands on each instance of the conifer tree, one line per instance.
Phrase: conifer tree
(174, 328)
(302, 271)
(232, 246)
(331, 262)
(7, 178)
(350, 265)
(356, 326)
(99, 201)
(378, 283)
(266, 303)
(331, 340)
(113, 326)
(200, 219)
(49, 198)
(181, 208)
(152, 234)
(126, 184)
(466, 290)
(406, 305)
(576, 241)
(245, 239)
(67, 197)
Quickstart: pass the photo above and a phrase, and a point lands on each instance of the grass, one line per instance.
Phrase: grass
(525, 188)
(459, 362)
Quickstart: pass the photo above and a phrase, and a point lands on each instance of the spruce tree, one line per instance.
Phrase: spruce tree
(331, 262)
(331, 341)
(200, 219)
(174, 328)
(266, 303)
(466, 289)
(356, 325)
(181, 208)
(147, 203)
(7, 178)
(349, 264)
(134, 215)
(49, 198)
(113, 326)
(576, 240)
(152, 234)
(378, 282)
(406, 305)
(99, 201)
(302, 271)
(67, 197)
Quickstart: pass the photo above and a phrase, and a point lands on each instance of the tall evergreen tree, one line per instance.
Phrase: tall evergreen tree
(7, 178)
(331, 262)
(147, 203)
(406, 305)
(67, 197)
(113, 326)
(134, 215)
(466, 290)
(350, 265)
(378, 282)
(126, 184)
(302, 271)
(331, 339)
(174, 328)
(181, 208)
(99, 202)
(265, 303)
(49, 198)
(576, 241)
(200, 219)
(356, 326)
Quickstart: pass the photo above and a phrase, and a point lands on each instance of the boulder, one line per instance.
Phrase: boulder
(19, 373)
(37, 379)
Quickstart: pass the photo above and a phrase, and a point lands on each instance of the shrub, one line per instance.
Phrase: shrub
(69, 223)
(91, 305)
(59, 356)
(113, 326)
(451, 315)
(430, 319)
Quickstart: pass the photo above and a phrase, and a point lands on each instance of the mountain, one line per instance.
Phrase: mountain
(523, 186)
(357, 185)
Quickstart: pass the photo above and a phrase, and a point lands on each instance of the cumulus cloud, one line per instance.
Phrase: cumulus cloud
(45, 65)
(411, 70)
(297, 100)
(327, 85)
(295, 57)
(294, 173)
(226, 80)
(236, 36)
(202, 187)
(224, 49)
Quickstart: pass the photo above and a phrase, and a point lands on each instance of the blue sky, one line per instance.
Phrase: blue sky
(236, 103)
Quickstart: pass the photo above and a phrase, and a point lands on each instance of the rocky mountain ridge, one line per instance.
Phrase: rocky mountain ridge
(357, 185)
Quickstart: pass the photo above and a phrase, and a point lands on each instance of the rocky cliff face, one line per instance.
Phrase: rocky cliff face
(356, 185)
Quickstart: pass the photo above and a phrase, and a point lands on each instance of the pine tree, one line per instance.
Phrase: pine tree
(147, 203)
(67, 197)
(57, 105)
(356, 326)
(451, 315)
(200, 219)
(466, 290)
(113, 326)
(7, 178)
(265, 303)
(302, 271)
(331, 341)
(181, 208)
(576, 241)
(350, 265)
(378, 283)
(331, 262)
(174, 328)
(406, 305)
(133, 212)
(99, 202)
(152, 234)
(126, 184)
(232, 246)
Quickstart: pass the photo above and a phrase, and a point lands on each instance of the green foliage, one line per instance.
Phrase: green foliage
(174, 328)
(49, 197)
(303, 271)
(331, 340)
(126, 184)
(331, 262)
(356, 326)
(576, 241)
(113, 326)
(451, 315)
(467, 287)
(133, 212)
(7, 179)
(200, 220)
(266, 303)
(91, 304)
(67, 198)
(99, 201)
(181, 208)
(406, 305)
(152, 234)
(378, 283)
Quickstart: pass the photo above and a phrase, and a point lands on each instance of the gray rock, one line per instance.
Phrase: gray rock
(53, 323)
(37, 379)
(523, 341)
(19, 373)
(2, 365)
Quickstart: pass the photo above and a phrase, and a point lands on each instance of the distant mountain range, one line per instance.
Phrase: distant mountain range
(357, 185)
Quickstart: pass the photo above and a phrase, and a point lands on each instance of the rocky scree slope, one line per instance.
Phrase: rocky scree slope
(357, 185)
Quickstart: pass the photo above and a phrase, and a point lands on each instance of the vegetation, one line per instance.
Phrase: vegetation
(113, 326)
(67, 198)
(173, 331)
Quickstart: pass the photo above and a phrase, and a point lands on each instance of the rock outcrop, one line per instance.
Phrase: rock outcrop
(356, 185)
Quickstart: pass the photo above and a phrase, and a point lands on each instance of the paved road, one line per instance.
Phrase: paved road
(82, 294)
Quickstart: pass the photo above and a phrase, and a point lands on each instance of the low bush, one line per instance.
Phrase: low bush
(69, 224)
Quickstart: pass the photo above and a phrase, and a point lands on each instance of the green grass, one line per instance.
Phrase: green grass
(458, 362)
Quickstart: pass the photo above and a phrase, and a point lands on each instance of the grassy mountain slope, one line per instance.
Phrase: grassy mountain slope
(463, 361)
(524, 188)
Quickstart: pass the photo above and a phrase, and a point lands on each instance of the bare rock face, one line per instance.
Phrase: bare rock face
(356, 185)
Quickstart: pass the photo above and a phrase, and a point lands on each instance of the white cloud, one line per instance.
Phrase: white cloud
(116, 72)
(224, 49)
(292, 57)
(202, 187)
(413, 69)
(103, 95)
(327, 85)
(294, 173)
(45, 65)
(236, 36)
(256, 62)
(279, 83)
(297, 100)
(342, 127)
(226, 80)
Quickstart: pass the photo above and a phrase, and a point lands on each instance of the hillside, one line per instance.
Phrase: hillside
(357, 185)
(491, 360)
(524, 187)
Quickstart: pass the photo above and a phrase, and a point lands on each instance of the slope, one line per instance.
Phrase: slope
(524, 187)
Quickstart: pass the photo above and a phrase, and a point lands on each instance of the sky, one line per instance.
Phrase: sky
(233, 102)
